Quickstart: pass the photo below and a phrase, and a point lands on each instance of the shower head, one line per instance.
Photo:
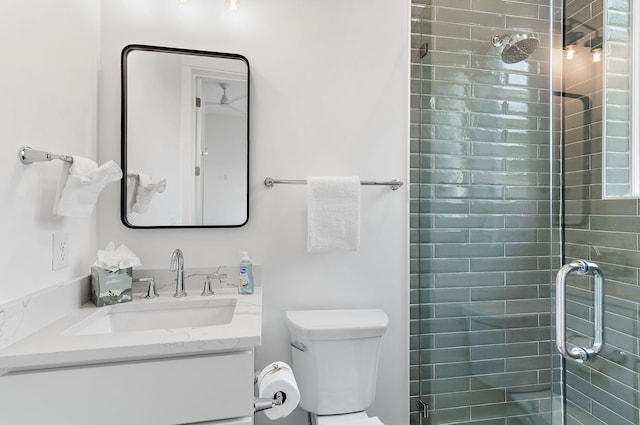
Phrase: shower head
(517, 47)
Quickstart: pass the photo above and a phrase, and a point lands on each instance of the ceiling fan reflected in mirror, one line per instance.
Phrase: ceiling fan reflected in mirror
(225, 101)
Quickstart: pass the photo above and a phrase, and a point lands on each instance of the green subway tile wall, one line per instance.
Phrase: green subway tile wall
(480, 215)
(604, 391)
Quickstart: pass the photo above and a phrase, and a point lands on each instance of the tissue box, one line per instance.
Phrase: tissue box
(109, 287)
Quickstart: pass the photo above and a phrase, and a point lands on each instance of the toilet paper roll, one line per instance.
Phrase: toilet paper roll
(278, 376)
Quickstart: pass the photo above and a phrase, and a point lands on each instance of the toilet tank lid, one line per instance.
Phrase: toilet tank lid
(337, 324)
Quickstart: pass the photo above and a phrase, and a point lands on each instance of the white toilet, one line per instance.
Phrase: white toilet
(335, 361)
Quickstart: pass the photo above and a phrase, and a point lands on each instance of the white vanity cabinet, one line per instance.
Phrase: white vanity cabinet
(214, 389)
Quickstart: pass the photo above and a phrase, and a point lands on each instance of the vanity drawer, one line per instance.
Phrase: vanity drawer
(168, 391)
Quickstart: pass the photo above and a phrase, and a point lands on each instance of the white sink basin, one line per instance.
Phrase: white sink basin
(133, 317)
(142, 329)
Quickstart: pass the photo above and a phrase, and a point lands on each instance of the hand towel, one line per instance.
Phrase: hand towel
(145, 189)
(132, 189)
(80, 185)
(333, 215)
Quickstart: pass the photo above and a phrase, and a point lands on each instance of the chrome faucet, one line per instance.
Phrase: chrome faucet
(177, 265)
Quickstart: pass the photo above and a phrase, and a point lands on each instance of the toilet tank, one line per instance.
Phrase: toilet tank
(335, 358)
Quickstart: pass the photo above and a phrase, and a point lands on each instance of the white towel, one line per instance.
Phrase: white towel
(132, 189)
(333, 215)
(144, 189)
(80, 185)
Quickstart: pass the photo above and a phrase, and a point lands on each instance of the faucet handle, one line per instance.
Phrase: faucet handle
(152, 291)
(207, 290)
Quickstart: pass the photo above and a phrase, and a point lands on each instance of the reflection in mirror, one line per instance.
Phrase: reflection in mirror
(621, 133)
(185, 138)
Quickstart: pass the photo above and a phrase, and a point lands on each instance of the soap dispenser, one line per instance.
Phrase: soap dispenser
(245, 286)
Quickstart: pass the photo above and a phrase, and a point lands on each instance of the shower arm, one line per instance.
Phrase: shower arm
(498, 40)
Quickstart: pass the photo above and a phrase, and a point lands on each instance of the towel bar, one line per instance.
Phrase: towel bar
(28, 155)
(394, 184)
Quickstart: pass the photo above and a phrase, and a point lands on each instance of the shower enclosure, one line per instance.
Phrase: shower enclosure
(506, 187)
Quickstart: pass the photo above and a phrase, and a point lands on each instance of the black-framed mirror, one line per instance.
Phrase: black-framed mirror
(185, 138)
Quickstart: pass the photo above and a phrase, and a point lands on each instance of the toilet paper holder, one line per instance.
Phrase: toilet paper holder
(260, 404)
(278, 393)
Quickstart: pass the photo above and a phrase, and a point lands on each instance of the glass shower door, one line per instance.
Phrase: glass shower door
(602, 231)
(601, 389)
(506, 187)
(484, 237)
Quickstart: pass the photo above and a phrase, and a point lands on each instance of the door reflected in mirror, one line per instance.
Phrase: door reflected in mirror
(185, 138)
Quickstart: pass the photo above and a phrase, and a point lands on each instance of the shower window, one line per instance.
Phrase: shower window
(621, 158)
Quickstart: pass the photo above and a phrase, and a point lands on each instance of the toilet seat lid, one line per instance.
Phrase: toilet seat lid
(357, 418)
(369, 421)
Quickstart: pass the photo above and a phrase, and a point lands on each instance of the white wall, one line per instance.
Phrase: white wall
(48, 82)
(329, 83)
(154, 107)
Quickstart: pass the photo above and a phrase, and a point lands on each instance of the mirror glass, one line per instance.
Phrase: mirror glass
(185, 138)
(621, 133)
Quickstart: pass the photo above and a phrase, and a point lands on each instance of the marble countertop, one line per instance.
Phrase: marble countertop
(50, 347)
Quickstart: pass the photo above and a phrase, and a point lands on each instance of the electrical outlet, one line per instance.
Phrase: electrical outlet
(60, 250)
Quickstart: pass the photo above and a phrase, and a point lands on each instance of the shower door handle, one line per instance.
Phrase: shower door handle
(581, 267)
